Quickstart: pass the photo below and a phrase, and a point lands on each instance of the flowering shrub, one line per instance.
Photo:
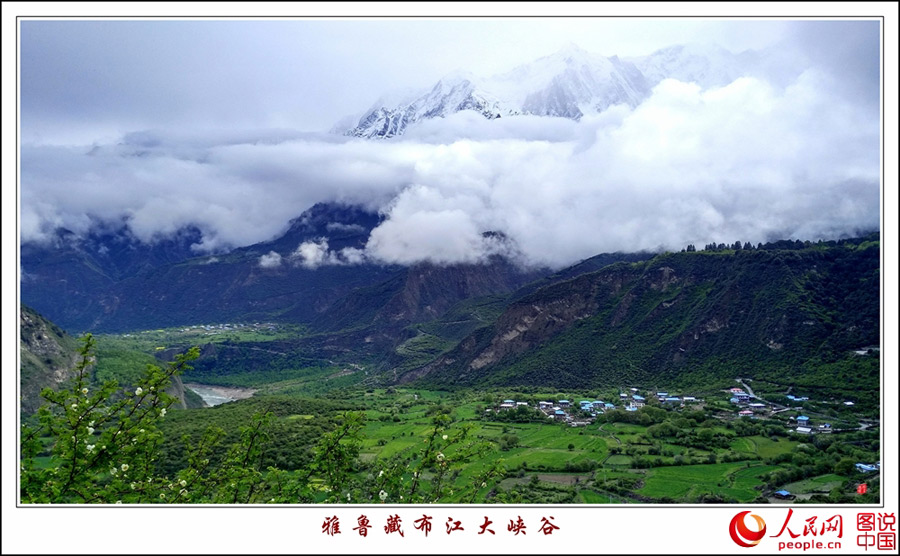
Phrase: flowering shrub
(105, 444)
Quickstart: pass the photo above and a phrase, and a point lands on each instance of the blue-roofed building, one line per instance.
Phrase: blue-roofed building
(638, 398)
(631, 408)
(662, 394)
(608, 405)
(597, 404)
(865, 468)
(783, 494)
(803, 419)
(734, 400)
(673, 399)
(563, 403)
(559, 414)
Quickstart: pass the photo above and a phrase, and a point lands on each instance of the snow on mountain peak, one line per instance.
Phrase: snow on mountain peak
(567, 83)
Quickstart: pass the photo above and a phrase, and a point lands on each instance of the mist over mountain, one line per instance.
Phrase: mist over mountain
(567, 84)
(568, 156)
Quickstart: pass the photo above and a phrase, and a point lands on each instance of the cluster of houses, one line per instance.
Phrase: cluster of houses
(214, 328)
(562, 410)
(804, 425)
(748, 408)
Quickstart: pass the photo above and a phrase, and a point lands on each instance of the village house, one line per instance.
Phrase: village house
(784, 495)
(563, 403)
(508, 404)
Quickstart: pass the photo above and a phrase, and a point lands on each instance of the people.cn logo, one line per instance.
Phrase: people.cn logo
(743, 536)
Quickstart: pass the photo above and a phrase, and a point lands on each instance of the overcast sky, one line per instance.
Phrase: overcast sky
(228, 116)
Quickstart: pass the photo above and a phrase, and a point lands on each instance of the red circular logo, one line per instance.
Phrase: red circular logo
(742, 535)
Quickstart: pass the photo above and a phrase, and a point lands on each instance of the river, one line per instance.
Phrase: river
(216, 395)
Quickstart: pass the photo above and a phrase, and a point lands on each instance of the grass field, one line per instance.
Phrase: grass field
(730, 480)
(821, 484)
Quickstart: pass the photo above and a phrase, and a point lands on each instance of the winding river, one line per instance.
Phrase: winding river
(216, 395)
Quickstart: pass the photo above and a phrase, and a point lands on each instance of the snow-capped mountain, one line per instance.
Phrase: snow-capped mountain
(705, 65)
(567, 84)
(450, 95)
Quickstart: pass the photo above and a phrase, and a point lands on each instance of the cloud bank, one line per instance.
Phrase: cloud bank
(750, 161)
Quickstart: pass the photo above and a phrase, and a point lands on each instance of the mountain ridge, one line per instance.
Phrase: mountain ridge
(678, 313)
(567, 84)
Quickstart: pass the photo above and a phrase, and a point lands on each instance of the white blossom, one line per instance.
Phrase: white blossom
(90, 430)
(118, 501)
(162, 494)
(113, 471)
(90, 447)
(380, 473)
(162, 412)
(124, 467)
(84, 390)
(444, 437)
(182, 482)
(132, 486)
(74, 406)
(383, 495)
(440, 456)
(139, 391)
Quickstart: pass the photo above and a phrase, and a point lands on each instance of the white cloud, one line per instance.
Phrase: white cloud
(270, 260)
(749, 161)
